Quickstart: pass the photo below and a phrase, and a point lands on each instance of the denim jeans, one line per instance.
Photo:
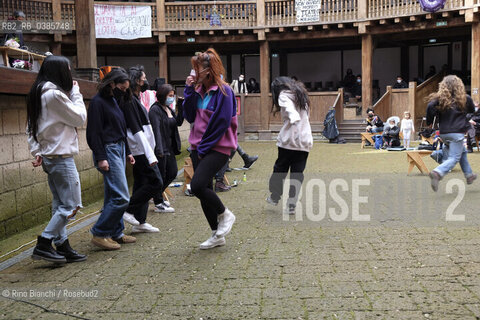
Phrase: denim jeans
(64, 183)
(453, 147)
(116, 197)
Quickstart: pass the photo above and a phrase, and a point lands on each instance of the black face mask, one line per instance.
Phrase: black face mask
(118, 93)
(145, 86)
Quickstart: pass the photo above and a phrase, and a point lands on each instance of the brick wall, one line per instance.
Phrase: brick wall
(25, 198)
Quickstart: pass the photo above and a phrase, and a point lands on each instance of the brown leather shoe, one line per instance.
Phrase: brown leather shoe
(105, 243)
(221, 187)
(125, 239)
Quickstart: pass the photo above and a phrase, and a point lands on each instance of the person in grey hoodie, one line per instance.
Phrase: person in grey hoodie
(294, 139)
(55, 108)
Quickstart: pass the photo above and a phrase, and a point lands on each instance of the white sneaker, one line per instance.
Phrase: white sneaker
(128, 217)
(144, 227)
(213, 241)
(225, 223)
(163, 209)
(166, 203)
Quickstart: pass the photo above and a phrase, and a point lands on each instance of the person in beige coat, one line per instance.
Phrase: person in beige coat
(294, 139)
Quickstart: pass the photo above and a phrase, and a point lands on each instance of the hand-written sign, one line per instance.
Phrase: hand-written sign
(307, 10)
(123, 22)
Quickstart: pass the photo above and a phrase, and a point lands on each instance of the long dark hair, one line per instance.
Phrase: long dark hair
(115, 76)
(163, 92)
(297, 88)
(55, 69)
(135, 74)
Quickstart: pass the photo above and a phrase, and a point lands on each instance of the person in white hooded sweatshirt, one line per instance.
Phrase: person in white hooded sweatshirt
(294, 139)
(55, 108)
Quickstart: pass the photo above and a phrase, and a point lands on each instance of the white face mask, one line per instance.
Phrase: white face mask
(399, 81)
(359, 80)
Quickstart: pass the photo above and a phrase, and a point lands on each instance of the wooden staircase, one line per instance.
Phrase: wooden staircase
(350, 130)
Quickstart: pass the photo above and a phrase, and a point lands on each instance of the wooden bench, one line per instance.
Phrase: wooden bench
(367, 136)
(414, 158)
(188, 173)
(8, 52)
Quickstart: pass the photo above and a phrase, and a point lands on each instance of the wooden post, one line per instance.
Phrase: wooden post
(163, 61)
(362, 9)
(57, 16)
(264, 85)
(86, 40)
(161, 22)
(475, 72)
(412, 93)
(261, 19)
(367, 71)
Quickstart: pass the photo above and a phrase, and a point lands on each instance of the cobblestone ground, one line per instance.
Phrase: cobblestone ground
(392, 267)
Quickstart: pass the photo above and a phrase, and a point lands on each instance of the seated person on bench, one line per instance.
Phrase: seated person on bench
(374, 123)
(391, 135)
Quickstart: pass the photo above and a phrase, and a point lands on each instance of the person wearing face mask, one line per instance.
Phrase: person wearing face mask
(165, 123)
(400, 83)
(349, 81)
(374, 123)
(253, 86)
(239, 86)
(474, 130)
(147, 179)
(211, 106)
(357, 88)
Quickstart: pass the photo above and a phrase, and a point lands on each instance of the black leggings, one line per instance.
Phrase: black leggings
(202, 184)
(292, 160)
(168, 169)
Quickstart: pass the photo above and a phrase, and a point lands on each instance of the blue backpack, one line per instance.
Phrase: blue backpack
(378, 141)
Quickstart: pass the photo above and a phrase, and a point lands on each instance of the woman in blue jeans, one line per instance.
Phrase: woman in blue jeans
(450, 104)
(106, 136)
(55, 108)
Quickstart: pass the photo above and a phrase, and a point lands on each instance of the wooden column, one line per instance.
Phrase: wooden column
(161, 22)
(57, 37)
(264, 89)
(367, 71)
(163, 61)
(86, 40)
(261, 19)
(475, 72)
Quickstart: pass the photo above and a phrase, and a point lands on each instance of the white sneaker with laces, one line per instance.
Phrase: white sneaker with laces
(128, 217)
(144, 227)
(225, 223)
(163, 209)
(166, 203)
(213, 241)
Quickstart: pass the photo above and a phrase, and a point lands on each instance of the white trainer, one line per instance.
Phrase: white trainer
(213, 241)
(162, 208)
(166, 203)
(225, 223)
(128, 217)
(144, 227)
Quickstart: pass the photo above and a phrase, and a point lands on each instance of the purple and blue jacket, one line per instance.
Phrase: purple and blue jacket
(214, 118)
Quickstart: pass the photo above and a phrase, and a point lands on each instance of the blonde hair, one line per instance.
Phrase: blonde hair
(451, 91)
(407, 112)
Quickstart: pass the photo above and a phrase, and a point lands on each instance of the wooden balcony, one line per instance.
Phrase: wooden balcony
(243, 14)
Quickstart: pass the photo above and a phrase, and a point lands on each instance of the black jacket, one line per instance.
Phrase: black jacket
(401, 85)
(167, 139)
(453, 120)
(106, 124)
(392, 132)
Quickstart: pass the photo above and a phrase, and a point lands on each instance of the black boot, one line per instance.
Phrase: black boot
(44, 250)
(247, 160)
(71, 255)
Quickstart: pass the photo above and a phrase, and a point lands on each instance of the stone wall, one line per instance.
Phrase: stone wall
(25, 197)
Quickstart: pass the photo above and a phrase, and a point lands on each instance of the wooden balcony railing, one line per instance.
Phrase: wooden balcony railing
(378, 9)
(282, 12)
(200, 15)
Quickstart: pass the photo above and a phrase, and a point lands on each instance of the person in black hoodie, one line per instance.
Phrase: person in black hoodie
(146, 176)
(450, 104)
(165, 125)
(391, 135)
(107, 137)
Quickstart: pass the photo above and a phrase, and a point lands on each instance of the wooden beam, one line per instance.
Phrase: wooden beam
(310, 28)
(267, 30)
(475, 67)
(362, 9)
(323, 34)
(326, 26)
(161, 21)
(383, 21)
(340, 26)
(197, 33)
(211, 32)
(413, 18)
(397, 20)
(240, 31)
(57, 16)
(367, 70)
(163, 61)
(281, 29)
(225, 32)
(85, 33)
(261, 13)
(296, 29)
(264, 84)
(446, 14)
(182, 33)
(429, 16)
